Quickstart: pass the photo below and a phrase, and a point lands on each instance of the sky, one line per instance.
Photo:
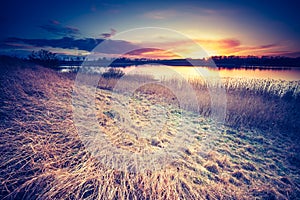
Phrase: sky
(151, 29)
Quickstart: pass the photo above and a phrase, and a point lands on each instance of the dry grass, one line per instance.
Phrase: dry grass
(42, 156)
(268, 104)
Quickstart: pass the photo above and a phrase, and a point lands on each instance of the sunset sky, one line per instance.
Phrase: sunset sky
(219, 27)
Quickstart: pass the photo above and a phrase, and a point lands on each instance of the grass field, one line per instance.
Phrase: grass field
(254, 155)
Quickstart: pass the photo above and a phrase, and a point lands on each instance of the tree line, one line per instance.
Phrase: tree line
(52, 60)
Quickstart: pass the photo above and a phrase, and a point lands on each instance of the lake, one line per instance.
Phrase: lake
(163, 71)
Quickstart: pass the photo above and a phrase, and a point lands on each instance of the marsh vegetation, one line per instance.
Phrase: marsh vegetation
(255, 153)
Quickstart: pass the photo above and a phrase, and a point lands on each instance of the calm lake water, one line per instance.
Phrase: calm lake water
(162, 71)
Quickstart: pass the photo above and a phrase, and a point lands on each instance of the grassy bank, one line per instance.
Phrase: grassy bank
(268, 104)
(43, 157)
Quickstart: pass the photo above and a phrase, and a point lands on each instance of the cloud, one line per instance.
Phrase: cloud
(229, 43)
(108, 35)
(161, 14)
(55, 22)
(268, 46)
(259, 49)
(56, 28)
(141, 51)
(232, 46)
(285, 53)
(93, 8)
(227, 46)
(86, 44)
(15, 45)
(152, 53)
(66, 42)
(292, 54)
(186, 11)
(116, 47)
(226, 43)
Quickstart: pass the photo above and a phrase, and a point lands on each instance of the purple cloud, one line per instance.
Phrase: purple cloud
(86, 44)
(56, 28)
(108, 35)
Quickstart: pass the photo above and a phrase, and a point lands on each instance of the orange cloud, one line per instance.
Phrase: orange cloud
(222, 43)
(190, 49)
(152, 53)
(235, 47)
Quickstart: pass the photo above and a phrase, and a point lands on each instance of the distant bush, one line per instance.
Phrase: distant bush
(113, 73)
(44, 58)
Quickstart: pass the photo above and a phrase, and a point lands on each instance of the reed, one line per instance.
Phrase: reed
(43, 157)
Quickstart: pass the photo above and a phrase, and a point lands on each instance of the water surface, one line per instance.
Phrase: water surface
(158, 71)
(163, 71)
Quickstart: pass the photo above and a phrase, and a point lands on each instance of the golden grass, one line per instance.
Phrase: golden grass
(262, 103)
(42, 156)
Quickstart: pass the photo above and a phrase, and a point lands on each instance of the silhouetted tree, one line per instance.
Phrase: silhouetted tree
(45, 58)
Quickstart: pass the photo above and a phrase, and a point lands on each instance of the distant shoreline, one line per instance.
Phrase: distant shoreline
(219, 66)
(258, 63)
(235, 62)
